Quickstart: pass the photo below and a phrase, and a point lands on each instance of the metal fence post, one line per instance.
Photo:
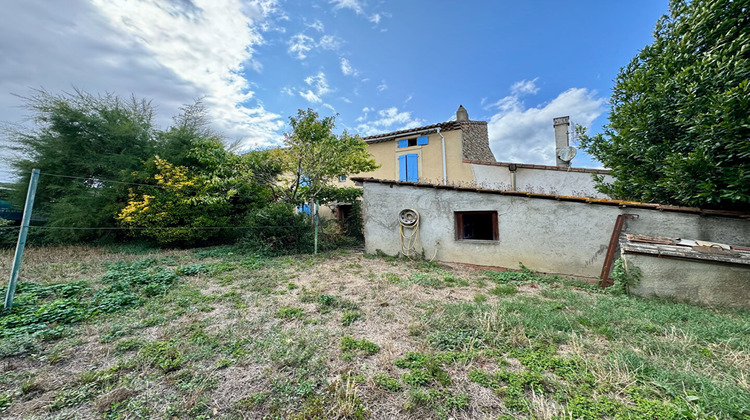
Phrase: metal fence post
(317, 220)
(23, 231)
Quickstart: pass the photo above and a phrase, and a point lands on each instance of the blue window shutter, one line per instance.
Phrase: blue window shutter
(412, 173)
(422, 141)
(303, 208)
(402, 168)
(403, 143)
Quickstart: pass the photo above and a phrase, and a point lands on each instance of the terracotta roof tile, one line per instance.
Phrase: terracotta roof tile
(444, 126)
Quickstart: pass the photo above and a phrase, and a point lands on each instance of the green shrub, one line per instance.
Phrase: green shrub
(8, 234)
(278, 230)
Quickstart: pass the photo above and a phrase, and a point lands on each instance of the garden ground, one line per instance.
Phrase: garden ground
(217, 333)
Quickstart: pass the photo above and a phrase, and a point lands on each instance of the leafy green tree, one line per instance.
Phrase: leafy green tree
(314, 157)
(87, 136)
(679, 124)
(193, 203)
(94, 140)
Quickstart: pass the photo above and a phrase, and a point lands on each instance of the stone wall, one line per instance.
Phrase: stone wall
(476, 141)
(703, 282)
(552, 235)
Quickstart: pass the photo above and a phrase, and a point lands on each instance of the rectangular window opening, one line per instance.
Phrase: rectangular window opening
(476, 225)
(416, 141)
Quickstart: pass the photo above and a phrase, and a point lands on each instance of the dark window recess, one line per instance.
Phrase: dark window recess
(479, 225)
(416, 141)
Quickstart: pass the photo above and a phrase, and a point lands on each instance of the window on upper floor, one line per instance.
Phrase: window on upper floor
(476, 225)
(415, 141)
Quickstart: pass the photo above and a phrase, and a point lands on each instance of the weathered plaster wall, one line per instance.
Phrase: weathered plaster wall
(690, 280)
(546, 235)
(570, 183)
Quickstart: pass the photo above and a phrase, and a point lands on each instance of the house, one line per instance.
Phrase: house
(458, 153)
(434, 154)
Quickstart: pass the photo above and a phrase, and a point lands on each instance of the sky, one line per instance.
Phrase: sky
(379, 66)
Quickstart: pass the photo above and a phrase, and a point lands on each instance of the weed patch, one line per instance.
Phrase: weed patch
(349, 344)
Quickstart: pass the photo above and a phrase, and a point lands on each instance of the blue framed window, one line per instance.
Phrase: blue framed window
(416, 141)
(408, 169)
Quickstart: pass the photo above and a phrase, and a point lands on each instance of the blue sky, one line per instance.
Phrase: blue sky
(380, 65)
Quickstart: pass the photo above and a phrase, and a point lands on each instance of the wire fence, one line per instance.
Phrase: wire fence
(9, 233)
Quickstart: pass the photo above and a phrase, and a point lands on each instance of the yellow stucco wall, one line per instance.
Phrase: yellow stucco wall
(430, 159)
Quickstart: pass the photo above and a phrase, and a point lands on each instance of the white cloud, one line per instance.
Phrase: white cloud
(317, 25)
(365, 111)
(345, 99)
(318, 88)
(300, 45)
(389, 119)
(329, 106)
(524, 87)
(525, 135)
(310, 96)
(286, 90)
(355, 5)
(168, 52)
(375, 18)
(347, 69)
(206, 45)
(382, 86)
(329, 42)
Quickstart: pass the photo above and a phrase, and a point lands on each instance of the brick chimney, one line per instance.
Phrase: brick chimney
(561, 125)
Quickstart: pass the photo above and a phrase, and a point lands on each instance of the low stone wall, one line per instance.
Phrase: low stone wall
(546, 234)
(693, 281)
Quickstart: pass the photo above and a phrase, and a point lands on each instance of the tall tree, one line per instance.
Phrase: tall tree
(86, 136)
(679, 123)
(199, 187)
(314, 156)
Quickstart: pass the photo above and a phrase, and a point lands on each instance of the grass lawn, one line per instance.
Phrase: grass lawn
(214, 333)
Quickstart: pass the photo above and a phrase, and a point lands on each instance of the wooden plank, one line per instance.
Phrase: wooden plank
(737, 257)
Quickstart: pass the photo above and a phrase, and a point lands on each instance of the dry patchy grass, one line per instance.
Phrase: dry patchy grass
(347, 335)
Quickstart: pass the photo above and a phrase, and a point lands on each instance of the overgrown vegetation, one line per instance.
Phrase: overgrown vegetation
(222, 333)
(680, 112)
(109, 174)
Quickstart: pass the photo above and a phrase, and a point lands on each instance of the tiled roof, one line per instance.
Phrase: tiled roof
(600, 201)
(444, 126)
